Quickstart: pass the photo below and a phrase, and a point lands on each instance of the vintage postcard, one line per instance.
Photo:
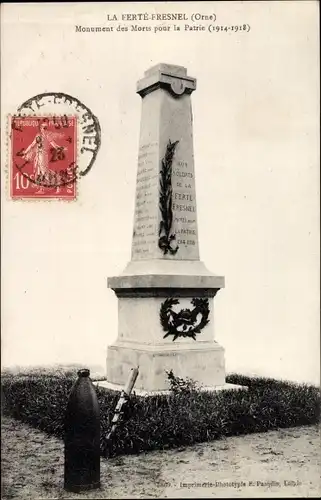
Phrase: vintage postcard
(160, 240)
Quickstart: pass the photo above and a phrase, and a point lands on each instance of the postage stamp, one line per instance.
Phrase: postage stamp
(54, 140)
(43, 157)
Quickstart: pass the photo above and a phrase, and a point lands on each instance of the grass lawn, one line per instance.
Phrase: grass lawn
(185, 417)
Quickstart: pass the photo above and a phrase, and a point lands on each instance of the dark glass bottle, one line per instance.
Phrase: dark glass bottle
(82, 437)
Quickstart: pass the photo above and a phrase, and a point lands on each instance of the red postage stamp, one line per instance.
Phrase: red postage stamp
(43, 157)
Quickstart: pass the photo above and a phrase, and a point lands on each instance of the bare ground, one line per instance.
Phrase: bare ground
(288, 459)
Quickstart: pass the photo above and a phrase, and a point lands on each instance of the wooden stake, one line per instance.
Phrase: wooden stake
(122, 400)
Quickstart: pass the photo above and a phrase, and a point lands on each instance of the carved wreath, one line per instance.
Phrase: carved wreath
(166, 237)
(185, 323)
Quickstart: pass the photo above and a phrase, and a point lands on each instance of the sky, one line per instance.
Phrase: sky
(256, 143)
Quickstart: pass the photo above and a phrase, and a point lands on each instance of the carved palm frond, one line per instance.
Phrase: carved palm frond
(165, 201)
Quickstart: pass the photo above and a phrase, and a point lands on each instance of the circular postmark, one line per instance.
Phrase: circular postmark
(55, 140)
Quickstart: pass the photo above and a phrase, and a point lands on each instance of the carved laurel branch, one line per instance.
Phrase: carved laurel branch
(165, 237)
(173, 322)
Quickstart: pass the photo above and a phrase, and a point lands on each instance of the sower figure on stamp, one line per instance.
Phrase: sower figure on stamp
(39, 150)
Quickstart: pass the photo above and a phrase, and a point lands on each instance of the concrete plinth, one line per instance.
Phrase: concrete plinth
(103, 384)
(202, 362)
(145, 341)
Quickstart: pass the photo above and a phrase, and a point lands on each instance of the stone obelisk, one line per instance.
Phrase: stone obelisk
(165, 294)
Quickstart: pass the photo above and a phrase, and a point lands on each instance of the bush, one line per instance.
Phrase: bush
(179, 385)
(184, 417)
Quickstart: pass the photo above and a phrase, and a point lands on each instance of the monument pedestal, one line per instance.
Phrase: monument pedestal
(157, 318)
(165, 294)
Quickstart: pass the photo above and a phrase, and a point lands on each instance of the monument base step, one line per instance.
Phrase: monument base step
(104, 384)
(202, 362)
